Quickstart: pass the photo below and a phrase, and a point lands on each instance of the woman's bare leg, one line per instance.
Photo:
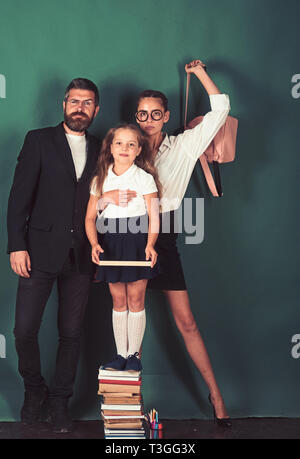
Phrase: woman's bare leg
(184, 319)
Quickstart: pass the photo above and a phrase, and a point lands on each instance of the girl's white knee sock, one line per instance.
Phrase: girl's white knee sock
(136, 329)
(120, 328)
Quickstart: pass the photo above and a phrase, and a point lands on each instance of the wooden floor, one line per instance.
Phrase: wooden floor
(249, 428)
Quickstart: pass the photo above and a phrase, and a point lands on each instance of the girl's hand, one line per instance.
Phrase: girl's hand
(96, 250)
(194, 65)
(118, 197)
(152, 254)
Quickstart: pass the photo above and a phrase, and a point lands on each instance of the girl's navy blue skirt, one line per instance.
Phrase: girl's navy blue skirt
(124, 239)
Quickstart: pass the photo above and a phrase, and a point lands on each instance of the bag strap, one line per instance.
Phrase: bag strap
(215, 188)
(188, 78)
(217, 178)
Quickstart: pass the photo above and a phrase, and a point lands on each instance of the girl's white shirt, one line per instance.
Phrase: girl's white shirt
(135, 179)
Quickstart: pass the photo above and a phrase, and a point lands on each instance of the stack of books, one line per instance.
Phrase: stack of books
(121, 404)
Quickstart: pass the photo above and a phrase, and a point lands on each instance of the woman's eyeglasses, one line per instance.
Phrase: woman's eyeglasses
(142, 115)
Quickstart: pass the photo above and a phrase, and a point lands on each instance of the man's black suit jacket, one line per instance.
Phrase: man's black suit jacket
(47, 205)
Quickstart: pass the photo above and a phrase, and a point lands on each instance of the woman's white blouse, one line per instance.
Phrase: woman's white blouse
(135, 179)
(177, 155)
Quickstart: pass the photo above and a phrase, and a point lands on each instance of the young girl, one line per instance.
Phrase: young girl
(125, 161)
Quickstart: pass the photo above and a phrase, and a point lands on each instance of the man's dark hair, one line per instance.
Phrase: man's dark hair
(156, 95)
(83, 83)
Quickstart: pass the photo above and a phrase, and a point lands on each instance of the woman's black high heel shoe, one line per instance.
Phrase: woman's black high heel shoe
(221, 422)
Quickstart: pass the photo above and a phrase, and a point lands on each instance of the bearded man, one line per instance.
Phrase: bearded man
(47, 244)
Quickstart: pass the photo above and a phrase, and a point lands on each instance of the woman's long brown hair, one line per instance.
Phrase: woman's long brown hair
(144, 160)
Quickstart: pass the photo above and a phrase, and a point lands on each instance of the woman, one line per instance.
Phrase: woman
(175, 159)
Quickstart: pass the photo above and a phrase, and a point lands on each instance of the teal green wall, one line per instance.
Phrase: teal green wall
(244, 278)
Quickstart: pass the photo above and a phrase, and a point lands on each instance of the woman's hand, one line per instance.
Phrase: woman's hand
(96, 250)
(199, 69)
(194, 66)
(118, 197)
(152, 254)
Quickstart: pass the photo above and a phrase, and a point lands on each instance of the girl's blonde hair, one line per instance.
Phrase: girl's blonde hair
(144, 160)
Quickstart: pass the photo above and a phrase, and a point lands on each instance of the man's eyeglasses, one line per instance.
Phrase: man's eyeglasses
(142, 115)
(86, 103)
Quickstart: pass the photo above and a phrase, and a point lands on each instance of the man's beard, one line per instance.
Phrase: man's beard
(78, 124)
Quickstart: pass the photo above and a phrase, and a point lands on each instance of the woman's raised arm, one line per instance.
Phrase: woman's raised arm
(198, 68)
